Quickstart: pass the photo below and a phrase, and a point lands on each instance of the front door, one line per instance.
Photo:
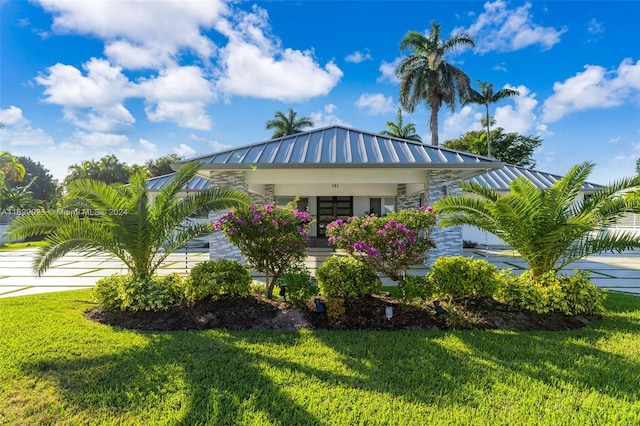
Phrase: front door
(332, 208)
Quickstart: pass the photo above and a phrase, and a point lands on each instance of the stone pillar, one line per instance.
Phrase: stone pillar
(448, 240)
(219, 246)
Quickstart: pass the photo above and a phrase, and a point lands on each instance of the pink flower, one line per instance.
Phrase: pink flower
(268, 207)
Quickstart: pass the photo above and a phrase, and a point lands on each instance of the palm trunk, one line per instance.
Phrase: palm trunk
(488, 134)
(433, 124)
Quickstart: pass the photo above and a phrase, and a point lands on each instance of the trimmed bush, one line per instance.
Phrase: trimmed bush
(126, 293)
(412, 288)
(347, 277)
(215, 277)
(458, 276)
(299, 284)
(571, 295)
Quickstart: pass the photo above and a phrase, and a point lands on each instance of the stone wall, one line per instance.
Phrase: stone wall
(448, 240)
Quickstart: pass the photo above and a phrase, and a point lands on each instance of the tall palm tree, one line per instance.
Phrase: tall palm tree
(287, 124)
(426, 76)
(485, 97)
(119, 219)
(550, 228)
(400, 130)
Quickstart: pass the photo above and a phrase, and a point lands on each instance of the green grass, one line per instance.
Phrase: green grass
(20, 246)
(58, 368)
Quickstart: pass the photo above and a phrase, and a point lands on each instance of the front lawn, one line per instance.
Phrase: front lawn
(56, 367)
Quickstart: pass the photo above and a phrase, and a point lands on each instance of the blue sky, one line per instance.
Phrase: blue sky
(141, 79)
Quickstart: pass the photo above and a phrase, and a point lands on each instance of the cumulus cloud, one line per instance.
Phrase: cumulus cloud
(96, 139)
(18, 131)
(458, 123)
(184, 150)
(254, 64)
(136, 32)
(12, 116)
(143, 151)
(375, 103)
(594, 88)
(327, 117)
(358, 57)
(388, 71)
(505, 30)
(520, 117)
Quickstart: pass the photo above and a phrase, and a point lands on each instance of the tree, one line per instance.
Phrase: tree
(108, 169)
(638, 166)
(119, 219)
(512, 148)
(485, 97)
(287, 124)
(426, 76)
(400, 130)
(40, 181)
(162, 165)
(10, 168)
(550, 228)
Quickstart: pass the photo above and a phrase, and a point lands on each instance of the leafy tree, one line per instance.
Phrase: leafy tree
(118, 219)
(638, 166)
(426, 76)
(41, 183)
(487, 96)
(108, 169)
(512, 148)
(10, 168)
(162, 165)
(284, 125)
(550, 228)
(400, 130)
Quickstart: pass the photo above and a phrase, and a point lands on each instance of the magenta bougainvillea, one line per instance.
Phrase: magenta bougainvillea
(271, 238)
(388, 244)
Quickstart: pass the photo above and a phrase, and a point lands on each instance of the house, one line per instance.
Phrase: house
(338, 172)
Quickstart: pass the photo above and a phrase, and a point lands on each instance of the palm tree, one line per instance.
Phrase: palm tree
(119, 219)
(550, 228)
(485, 97)
(287, 124)
(426, 76)
(399, 130)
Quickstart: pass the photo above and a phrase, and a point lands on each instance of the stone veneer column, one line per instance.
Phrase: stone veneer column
(404, 201)
(219, 246)
(448, 240)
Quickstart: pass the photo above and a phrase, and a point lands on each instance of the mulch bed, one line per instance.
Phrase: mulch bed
(257, 312)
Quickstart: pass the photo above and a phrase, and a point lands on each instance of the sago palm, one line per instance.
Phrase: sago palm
(485, 97)
(550, 228)
(285, 125)
(426, 76)
(118, 219)
(401, 130)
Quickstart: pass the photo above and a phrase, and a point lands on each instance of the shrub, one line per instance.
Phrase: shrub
(457, 276)
(571, 295)
(211, 278)
(126, 293)
(299, 284)
(412, 288)
(347, 277)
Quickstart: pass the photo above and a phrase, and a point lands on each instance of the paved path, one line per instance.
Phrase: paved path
(612, 271)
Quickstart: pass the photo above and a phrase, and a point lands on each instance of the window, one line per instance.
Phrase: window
(382, 206)
(389, 205)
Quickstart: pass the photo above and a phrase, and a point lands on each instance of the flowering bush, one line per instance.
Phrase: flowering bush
(388, 244)
(271, 238)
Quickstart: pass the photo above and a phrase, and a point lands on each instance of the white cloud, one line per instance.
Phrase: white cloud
(144, 151)
(178, 94)
(375, 103)
(594, 88)
(327, 117)
(500, 67)
(96, 140)
(255, 65)
(388, 71)
(595, 27)
(184, 150)
(139, 31)
(520, 116)
(12, 116)
(219, 146)
(615, 139)
(505, 30)
(358, 57)
(18, 132)
(457, 123)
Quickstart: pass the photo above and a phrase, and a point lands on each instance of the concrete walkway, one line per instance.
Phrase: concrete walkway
(72, 272)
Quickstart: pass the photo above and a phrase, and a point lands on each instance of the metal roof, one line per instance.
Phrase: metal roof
(501, 178)
(338, 146)
(197, 183)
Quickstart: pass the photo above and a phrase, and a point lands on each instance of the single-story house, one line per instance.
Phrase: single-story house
(338, 172)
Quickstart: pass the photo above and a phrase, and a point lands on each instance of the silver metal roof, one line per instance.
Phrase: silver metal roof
(501, 178)
(196, 183)
(338, 146)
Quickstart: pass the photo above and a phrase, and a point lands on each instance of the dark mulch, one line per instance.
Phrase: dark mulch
(257, 312)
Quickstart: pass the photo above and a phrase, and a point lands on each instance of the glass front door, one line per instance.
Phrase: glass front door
(332, 208)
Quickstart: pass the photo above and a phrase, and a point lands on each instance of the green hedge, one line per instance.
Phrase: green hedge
(347, 277)
(215, 277)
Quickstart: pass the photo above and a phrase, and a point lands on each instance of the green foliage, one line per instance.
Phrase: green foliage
(347, 277)
(271, 238)
(214, 277)
(284, 125)
(162, 165)
(335, 307)
(119, 219)
(413, 288)
(571, 295)
(41, 183)
(549, 228)
(128, 293)
(512, 148)
(400, 130)
(457, 276)
(387, 244)
(108, 169)
(299, 284)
